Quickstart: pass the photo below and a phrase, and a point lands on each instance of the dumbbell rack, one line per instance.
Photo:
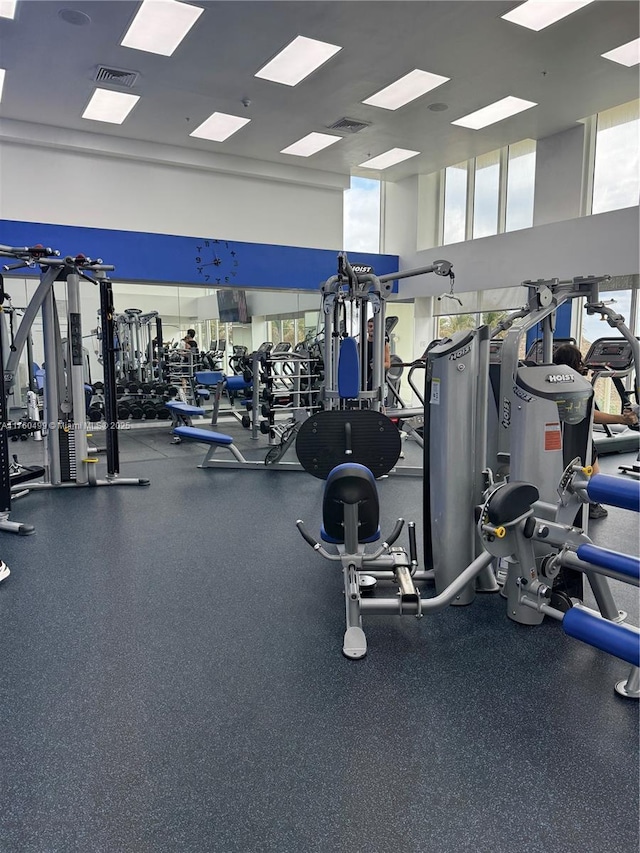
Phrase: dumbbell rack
(180, 372)
(288, 380)
(146, 401)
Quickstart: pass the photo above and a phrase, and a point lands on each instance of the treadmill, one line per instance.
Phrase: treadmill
(612, 358)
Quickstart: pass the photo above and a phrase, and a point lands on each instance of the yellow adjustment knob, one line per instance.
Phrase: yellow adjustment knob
(90, 459)
(588, 470)
(500, 532)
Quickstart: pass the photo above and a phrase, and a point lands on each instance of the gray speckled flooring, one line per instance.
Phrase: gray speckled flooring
(172, 681)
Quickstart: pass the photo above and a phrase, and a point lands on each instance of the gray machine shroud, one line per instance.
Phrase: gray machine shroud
(454, 454)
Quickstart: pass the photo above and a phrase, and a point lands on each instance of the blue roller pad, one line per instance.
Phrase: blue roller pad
(621, 641)
(622, 492)
(237, 383)
(625, 564)
(204, 435)
(348, 370)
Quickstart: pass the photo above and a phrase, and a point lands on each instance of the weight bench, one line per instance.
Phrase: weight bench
(218, 440)
(214, 440)
(213, 383)
(181, 414)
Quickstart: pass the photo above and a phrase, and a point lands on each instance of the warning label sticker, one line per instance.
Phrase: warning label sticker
(435, 392)
(552, 436)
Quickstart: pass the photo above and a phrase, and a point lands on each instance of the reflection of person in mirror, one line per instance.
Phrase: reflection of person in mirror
(387, 354)
(189, 340)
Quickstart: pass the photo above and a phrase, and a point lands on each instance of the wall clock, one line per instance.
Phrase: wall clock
(216, 261)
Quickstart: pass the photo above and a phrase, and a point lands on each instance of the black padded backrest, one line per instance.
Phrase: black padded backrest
(350, 483)
(511, 501)
(328, 439)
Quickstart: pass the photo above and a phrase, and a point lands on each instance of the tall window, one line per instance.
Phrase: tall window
(520, 184)
(616, 179)
(501, 186)
(455, 203)
(485, 198)
(361, 228)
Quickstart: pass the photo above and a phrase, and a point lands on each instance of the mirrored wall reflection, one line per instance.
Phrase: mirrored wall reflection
(222, 318)
(229, 317)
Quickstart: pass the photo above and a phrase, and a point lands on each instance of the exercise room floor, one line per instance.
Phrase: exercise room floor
(173, 681)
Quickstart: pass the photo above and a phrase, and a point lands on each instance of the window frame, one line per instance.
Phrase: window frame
(503, 182)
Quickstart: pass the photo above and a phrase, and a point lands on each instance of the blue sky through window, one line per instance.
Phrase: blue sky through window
(361, 227)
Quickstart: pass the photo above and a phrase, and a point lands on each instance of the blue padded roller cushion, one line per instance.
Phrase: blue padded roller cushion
(619, 640)
(237, 383)
(623, 563)
(615, 491)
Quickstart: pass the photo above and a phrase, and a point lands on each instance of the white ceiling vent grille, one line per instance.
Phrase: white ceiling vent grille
(116, 76)
(349, 125)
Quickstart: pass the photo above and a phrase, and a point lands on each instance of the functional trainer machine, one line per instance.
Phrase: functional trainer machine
(67, 459)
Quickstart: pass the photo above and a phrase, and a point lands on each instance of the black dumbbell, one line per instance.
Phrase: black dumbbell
(150, 411)
(137, 412)
(162, 412)
(124, 410)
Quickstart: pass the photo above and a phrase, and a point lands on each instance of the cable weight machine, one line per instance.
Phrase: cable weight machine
(67, 460)
(346, 297)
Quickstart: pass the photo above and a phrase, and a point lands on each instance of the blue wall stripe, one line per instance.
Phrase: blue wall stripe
(140, 257)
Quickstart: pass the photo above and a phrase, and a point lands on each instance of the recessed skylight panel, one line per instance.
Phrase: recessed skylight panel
(219, 126)
(493, 113)
(310, 144)
(538, 14)
(112, 107)
(627, 54)
(406, 89)
(389, 158)
(297, 60)
(160, 25)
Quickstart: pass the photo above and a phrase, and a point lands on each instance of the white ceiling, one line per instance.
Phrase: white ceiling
(51, 66)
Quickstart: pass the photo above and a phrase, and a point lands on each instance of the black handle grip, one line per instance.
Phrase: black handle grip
(397, 530)
(413, 550)
(305, 535)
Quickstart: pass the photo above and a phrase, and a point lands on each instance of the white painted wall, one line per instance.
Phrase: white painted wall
(558, 176)
(606, 244)
(399, 217)
(87, 189)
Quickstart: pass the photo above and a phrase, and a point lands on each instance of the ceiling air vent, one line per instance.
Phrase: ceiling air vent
(349, 125)
(116, 76)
